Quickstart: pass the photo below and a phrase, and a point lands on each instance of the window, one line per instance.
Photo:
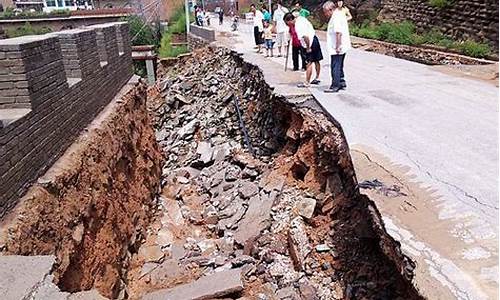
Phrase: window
(68, 2)
(50, 3)
(60, 3)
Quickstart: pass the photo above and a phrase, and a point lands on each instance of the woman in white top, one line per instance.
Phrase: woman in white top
(258, 27)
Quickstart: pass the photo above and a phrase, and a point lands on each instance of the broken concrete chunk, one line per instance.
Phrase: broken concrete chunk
(19, 275)
(208, 287)
(205, 151)
(182, 99)
(242, 260)
(307, 291)
(298, 243)
(189, 128)
(322, 248)
(256, 219)
(182, 179)
(287, 293)
(48, 290)
(305, 207)
(232, 173)
(248, 189)
(271, 183)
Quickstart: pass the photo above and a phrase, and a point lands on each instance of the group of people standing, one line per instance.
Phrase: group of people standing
(272, 30)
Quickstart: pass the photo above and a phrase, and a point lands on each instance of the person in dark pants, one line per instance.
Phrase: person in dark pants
(221, 16)
(258, 26)
(338, 43)
(296, 50)
(310, 45)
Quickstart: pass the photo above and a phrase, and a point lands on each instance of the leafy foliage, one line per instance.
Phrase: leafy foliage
(140, 32)
(177, 26)
(441, 3)
(474, 49)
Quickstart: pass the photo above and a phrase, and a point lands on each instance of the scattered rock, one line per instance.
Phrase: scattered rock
(188, 129)
(248, 189)
(232, 173)
(322, 248)
(305, 207)
(213, 286)
(205, 151)
(298, 243)
(242, 260)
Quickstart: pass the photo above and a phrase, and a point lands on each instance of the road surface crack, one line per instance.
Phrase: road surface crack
(462, 191)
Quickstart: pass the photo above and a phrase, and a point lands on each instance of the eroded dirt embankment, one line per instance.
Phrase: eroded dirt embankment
(272, 195)
(93, 207)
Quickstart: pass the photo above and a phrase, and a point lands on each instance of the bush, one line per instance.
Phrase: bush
(166, 48)
(474, 49)
(369, 32)
(26, 29)
(177, 25)
(402, 33)
(140, 32)
(440, 3)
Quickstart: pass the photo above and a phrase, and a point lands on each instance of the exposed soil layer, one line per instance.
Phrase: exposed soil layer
(255, 183)
(92, 208)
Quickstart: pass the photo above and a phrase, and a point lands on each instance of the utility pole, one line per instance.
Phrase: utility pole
(186, 6)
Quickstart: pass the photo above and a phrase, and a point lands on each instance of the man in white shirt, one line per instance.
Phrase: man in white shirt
(338, 42)
(280, 26)
(258, 26)
(310, 44)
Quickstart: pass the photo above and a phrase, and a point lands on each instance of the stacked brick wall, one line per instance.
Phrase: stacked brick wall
(462, 19)
(199, 37)
(51, 87)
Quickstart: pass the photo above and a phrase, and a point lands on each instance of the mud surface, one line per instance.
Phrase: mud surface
(92, 208)
(272, 194)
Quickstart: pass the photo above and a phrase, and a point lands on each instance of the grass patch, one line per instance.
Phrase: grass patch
(405, 33)
(474, 49)
(26, 29)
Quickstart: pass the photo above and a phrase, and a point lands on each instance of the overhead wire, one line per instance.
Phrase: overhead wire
(157, 2)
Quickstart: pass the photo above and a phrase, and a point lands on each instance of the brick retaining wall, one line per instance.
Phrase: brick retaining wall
(51, 87)
(463, 19)
(202, 32)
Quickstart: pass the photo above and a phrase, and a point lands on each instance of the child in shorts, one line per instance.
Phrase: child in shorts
(268, 38)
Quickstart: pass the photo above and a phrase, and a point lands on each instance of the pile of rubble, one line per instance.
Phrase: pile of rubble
(259, 198)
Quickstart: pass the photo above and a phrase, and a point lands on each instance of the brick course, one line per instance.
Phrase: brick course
(51, 87)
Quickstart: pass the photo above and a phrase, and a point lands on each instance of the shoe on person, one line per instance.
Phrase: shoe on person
(303, 85)
(315, 81)
(332, 90)
(343, 86)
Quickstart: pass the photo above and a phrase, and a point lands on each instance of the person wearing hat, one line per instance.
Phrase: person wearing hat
(338, 41)
(310, 45)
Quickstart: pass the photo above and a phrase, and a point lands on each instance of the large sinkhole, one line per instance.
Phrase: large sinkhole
(257, 199)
